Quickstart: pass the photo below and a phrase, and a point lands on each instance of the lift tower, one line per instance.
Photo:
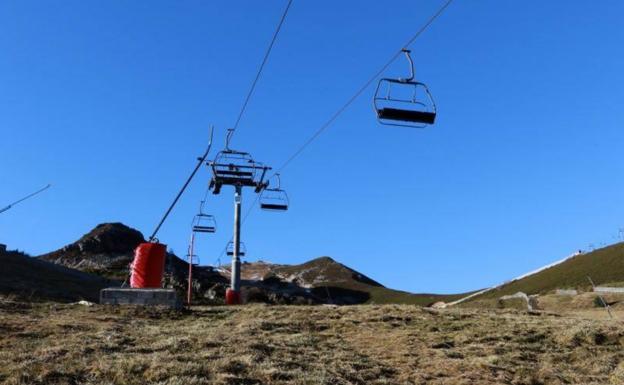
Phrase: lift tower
(237, 169)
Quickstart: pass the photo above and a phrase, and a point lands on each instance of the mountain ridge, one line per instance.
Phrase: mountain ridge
(108, 249)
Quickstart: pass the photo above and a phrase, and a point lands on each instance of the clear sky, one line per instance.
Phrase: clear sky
(110, 101)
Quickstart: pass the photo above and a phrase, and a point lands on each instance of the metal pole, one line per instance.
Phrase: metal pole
(236, 263)
(604, 303)
(24, 198)
(200, 161)
(190, 275)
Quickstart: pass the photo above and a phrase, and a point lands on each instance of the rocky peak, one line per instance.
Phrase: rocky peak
(108, 248)
(110, 238)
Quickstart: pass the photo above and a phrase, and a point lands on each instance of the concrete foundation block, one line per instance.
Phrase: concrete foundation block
(140, 297)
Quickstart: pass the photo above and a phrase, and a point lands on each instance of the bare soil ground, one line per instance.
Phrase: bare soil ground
(257, 344)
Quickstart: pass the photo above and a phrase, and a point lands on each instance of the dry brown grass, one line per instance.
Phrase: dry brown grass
(391, 344)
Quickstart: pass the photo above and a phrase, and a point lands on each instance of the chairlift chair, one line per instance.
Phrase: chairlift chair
(204, 223)
(193, 259)
(231, 167)
(229, 251)
(274, 199)
(234, 167)
(404, 101)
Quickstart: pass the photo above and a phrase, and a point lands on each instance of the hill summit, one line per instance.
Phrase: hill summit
(108, 249)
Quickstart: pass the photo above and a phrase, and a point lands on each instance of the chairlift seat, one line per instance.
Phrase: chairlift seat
(224, 180)
(229, 251)
(204, 229)
(406, 115)
(242, 174)
(225, 176)
(274, 206)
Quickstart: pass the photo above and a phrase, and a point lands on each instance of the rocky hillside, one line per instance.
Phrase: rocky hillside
(26, 278)
(324, 280)
(108, 249)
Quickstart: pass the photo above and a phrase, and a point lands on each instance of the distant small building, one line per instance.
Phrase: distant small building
(607, 289)
(3, 248)
(571, 292)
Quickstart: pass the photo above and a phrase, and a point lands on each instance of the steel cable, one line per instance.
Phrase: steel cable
(346, 105)
(264, 61)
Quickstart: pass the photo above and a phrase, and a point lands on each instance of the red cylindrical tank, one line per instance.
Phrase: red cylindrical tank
(232, 297)
(148, 265)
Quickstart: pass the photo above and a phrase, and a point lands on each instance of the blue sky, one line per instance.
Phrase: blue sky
(110, 101)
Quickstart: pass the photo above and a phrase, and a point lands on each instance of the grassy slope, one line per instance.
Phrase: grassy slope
(303, 345)
(603, 266)
(30, 278)
(383, 295)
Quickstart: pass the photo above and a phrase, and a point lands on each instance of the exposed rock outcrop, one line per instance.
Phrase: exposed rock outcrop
(107, 250)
